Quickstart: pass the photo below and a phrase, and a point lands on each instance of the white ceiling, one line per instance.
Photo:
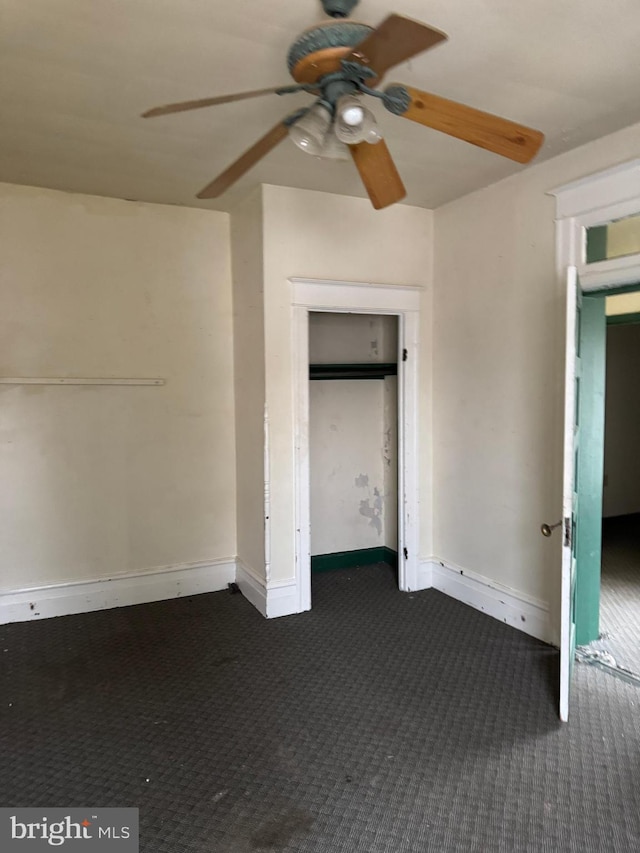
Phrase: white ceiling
(76, 74)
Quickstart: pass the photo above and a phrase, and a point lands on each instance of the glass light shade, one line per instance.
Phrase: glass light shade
(333, 149)
(354, 122)
(310, 131)
(374, 136)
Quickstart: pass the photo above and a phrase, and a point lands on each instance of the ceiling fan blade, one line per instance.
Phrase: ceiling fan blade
(496, 134)
(183, 106)
(394, 41)
(250, 157)
(378, 172)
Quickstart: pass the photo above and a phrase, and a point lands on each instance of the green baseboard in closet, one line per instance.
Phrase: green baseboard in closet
(351, 559)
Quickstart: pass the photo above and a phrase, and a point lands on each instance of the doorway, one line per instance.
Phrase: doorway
(401, 302)
(589, 210)
(608, 566)
(353, 440)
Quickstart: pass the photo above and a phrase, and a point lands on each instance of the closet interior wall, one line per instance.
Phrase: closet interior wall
(353, 435)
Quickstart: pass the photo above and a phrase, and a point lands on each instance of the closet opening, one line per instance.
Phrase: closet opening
(370, 329)
(353, 441)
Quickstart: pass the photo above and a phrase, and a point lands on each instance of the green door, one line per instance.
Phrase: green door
(590, 466)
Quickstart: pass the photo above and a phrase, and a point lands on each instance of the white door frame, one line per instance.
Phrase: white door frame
(595, 200)
(359, 298)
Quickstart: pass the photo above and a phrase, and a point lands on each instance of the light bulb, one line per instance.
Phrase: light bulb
(353, 115)
(355, 123)
(310, 131)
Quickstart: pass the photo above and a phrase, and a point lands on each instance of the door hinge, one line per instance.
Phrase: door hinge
(405, 355)
(406, 553)
(567, 532)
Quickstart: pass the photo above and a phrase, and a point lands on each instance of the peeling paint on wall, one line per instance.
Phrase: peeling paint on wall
(362, 481)
(390, 461)
(373, 513)
(387, 447)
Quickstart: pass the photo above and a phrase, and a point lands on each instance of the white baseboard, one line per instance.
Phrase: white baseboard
(251, 586)
(515, 608)
(281, 598)
(424, 579)
(157, 584)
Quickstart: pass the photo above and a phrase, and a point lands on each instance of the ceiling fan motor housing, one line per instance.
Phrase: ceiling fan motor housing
(339, 8)
(320, 50)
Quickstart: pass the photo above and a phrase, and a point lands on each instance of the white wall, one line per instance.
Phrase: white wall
(100, 481)
(318, 235)
(622, 421)
(248, 347)
(498, 373)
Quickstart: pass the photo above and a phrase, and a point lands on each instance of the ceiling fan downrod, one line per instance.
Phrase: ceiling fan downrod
(339, 8)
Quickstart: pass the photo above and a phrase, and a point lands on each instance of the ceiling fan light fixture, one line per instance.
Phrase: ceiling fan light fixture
(374, 136)
(333, 149)
(354, 122)
(310, 132)
(335, 60)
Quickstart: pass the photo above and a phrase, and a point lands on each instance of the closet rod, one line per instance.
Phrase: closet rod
(369, 370)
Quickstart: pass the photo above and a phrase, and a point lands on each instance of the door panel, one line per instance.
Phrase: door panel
(593, 334)
(570, 482)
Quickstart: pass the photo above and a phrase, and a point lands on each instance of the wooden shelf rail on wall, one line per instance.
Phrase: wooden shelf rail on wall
(32, 380)
(369, 370)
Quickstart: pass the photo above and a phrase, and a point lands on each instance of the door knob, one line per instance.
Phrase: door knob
(547, 529)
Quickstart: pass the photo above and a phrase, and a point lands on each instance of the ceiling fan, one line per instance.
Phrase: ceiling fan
(339, 62)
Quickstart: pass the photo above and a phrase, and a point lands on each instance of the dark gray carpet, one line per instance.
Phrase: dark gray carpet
(620, 590)
(380, 722)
